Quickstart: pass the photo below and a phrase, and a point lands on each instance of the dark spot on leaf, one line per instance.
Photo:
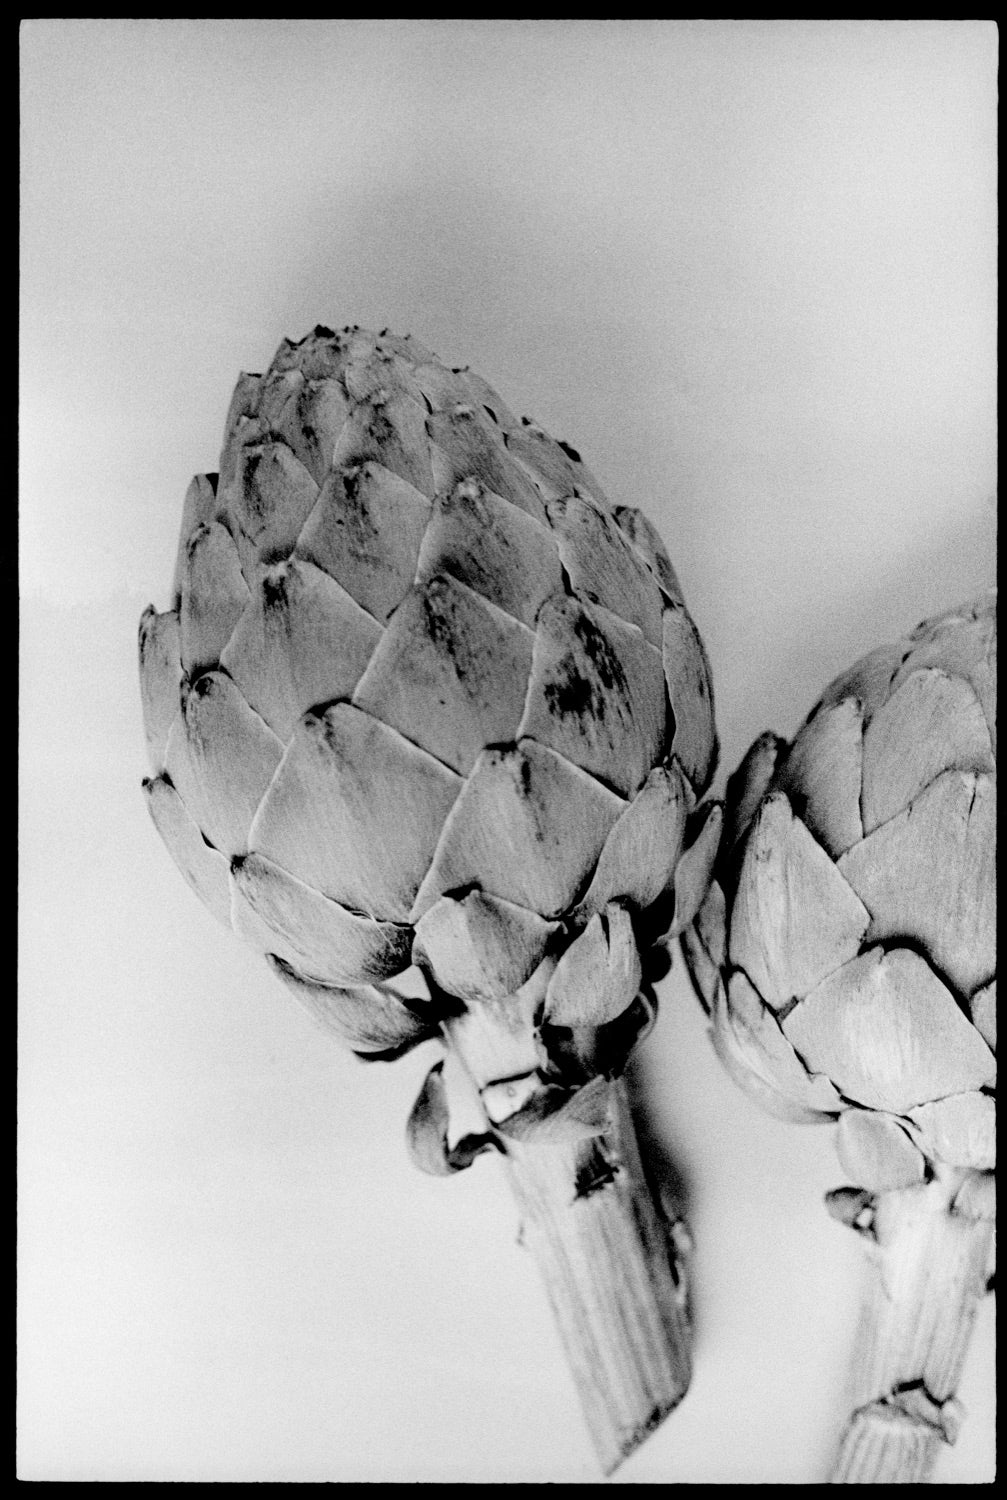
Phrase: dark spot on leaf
(391, 1054)
(195, 537)
(570, 452)
(439, 618)
(274, 590)
(570, 694)
(594, 1172)
(599, 652)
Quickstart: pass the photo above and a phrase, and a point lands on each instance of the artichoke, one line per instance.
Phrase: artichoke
(846, 955)
(429, 725)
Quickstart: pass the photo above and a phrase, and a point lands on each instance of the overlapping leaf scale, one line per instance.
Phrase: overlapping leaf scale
(320, 938)
(475, 391)
(391, 432)
(480, 947)
(746, 788)
(356, 811)
(302, 641)
(467, 444)
(450, 672)
(928, 875)
(603, 567)
(822, 774)
(968, 650)
(931, 722)
(598, 975)
(307, 414)
(200, 508)
(214, 595)
(952, 634)
(205, 869)
(889, 1033)
(320, 355)
(555, 468)
(376, 372)
(442, 389)
(748, 1039)
(366, 531)
(868, 680)
(493, 547)
(528, 827)
(268, 501)
(160, 679)
(242, 427)
(641, 854)
(649, 543)
(983, 1010)
(690, 693)
(221, 757)
(694, 870)
(877, 1151)
(959, 1129)
(371, 1019)
(794, 919)
(596, 693)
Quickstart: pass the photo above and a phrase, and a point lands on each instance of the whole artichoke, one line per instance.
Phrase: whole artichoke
(429, 724)
(846, 954)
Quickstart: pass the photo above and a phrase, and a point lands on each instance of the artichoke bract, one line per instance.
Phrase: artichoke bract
(846, 955)
(430, 725)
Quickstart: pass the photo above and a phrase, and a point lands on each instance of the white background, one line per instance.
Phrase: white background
(748, 269)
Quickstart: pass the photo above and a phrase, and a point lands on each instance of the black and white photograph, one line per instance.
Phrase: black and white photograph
(507, 525)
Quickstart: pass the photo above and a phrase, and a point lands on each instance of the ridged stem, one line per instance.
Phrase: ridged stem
(611, 1270)
(929, 1272)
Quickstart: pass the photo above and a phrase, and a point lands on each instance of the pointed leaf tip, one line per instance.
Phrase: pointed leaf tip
(696, 864)
(877, 1152)
(480, 947)
(427, 1131)
(367, 1017)
(889, 1034)
(599, 975)
(795, 919)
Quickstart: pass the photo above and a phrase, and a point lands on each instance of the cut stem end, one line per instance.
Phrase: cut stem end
(929, 1273)
(612, 1271)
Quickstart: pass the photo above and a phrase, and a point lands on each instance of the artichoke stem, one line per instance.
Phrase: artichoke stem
(610, 1266)
(929, 1272)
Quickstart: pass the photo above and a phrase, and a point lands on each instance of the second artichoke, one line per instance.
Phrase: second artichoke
(846, 954)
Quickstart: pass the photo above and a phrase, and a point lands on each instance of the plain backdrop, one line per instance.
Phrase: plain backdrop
(748, 270)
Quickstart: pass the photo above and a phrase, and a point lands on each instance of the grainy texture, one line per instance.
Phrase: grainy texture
(430, 725)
